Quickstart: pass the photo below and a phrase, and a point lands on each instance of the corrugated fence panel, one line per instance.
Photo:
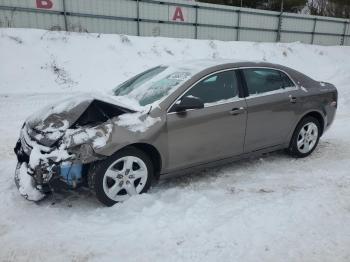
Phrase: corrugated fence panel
(259, 21)
(330, 27)
(154, 11)
(173, 18)
(327, 40)
(56, 4)
(215, 17)
(226, 34)
(257, 36)
(188, 13)
(97, 25)
(31, 20)
(167, 30)
(347, 40)
(296, 37)
(121, 8)
(296, 24)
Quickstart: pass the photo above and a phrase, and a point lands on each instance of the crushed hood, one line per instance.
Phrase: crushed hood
(50, 123)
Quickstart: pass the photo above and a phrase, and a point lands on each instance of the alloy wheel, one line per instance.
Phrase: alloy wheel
(125, 177)
(307, 137)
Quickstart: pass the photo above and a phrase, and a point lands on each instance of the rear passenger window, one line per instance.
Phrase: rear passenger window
(261, 80)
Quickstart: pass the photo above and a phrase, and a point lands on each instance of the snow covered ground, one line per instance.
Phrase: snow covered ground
(274, 208)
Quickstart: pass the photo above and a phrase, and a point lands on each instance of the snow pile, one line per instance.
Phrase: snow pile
(98, 62)
(26, 184)
(274, 208)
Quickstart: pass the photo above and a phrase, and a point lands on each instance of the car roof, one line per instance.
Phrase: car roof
(198, 65)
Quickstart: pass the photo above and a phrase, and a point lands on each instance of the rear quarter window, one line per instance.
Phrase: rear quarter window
(263, 80)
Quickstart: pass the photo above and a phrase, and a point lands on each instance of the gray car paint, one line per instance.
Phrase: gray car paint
(212, 135)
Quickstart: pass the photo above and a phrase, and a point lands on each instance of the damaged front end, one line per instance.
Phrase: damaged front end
(56, 146)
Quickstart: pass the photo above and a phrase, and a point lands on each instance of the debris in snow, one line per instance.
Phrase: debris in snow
(212, 44)
(26, 183)
(263, 190)
(62, 76)
(168, 51)
(17, 39)
(137, 122)
(125, 40)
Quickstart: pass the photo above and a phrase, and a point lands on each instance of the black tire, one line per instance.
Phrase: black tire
(98, 169)
(293, 146)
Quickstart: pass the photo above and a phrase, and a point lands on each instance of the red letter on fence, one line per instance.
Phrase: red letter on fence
(178, 14)
(46, 4)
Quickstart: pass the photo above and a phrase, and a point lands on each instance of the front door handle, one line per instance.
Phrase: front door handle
(292, 99)
(237, 111)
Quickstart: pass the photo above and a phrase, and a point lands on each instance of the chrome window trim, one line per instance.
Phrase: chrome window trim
(239, 98)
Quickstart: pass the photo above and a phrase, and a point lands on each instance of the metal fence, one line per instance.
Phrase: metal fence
(173, 18)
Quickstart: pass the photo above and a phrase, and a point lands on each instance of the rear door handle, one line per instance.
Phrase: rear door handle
(292, 99)
(237, 111)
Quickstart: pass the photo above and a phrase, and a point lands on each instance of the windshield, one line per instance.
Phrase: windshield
(152, 85)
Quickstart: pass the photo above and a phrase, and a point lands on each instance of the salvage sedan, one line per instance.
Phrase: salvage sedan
(171, 119)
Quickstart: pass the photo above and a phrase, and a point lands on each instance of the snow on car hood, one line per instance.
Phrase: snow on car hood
(50, 123)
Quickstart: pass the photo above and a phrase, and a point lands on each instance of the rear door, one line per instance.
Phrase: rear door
(214, 132)
(272, 105)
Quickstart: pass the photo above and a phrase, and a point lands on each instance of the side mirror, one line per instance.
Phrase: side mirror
(188, 102)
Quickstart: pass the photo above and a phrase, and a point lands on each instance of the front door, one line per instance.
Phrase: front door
(212, 133)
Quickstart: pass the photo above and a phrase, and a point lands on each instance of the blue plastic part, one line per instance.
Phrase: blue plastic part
(71, 173)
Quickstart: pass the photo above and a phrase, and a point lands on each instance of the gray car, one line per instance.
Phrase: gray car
(171, 119)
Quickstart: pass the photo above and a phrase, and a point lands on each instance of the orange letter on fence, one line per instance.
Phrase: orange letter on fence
(46, 4)
(178, 14)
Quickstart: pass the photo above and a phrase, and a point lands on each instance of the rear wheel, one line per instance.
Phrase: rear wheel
(120, 176)
(305, 137)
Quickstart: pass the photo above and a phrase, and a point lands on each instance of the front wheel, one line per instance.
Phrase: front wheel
(305, 137)
(126, 173)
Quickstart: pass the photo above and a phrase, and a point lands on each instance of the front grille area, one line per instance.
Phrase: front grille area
(46, 139)
(28, 143)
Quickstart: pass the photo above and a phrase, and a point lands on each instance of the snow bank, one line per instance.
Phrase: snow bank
(101, 62)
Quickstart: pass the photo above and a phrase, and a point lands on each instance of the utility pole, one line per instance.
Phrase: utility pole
(278, 38)
(241, 3)
(282, 5)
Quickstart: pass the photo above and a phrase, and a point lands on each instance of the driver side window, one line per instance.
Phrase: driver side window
(216, 88)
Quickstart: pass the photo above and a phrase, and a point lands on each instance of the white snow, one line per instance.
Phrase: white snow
(98, 135)
(274, 208)
(26, 185)
(137, 122)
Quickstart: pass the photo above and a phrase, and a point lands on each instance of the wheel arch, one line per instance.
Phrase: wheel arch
(152, 152)
(314, 113)
(319, 116)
